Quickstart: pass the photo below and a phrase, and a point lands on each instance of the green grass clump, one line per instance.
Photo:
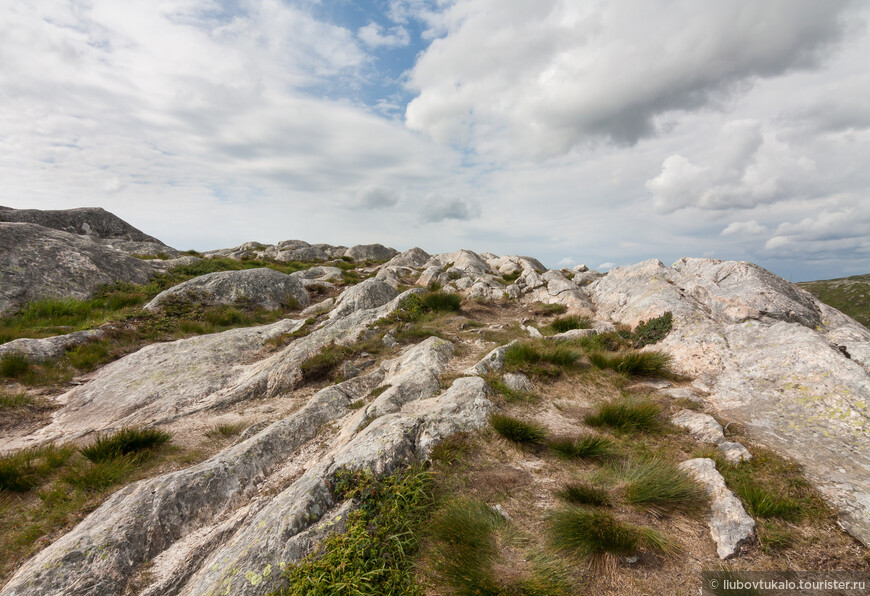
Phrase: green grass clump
(632, 363)
(627, 414)
(762, 502)
(126, 441)
(375, 555)
(464, 548)
(100, 475)
(539, 358)
(517, 430)
(578, 493)
(14, 365)
(225, 430)
(452, 450)
(659, 485)
(588, 446)
(587, 533)
(321, 365)
(442, 301)
(14, 400)
(539, 308)
(563, 324)
(89, 355)
(653, 330)
(25, 469)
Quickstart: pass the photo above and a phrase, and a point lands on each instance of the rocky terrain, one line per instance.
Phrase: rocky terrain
(278, 369)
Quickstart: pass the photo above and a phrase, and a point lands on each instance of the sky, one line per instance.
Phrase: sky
(602, 133)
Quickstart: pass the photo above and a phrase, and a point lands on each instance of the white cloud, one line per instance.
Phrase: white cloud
(606, 266)
(373, 35)
(437, 208)
(744, 228)
(547, 76)
(566, 262)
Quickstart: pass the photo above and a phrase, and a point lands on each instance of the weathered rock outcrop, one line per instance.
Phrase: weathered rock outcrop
(262, 288)
(94, 223)
(38, 262)
(765, 353)
(377, 252)
(199, 525)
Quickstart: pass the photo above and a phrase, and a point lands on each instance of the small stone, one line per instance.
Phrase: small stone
(518, 382)
(734, 452)
(702, 427)
(500, 510)
(389, 341)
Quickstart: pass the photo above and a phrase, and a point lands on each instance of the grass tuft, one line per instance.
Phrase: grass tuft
(93, 477)
(14, 365)
(632, 363)
(563, 324)
(762, 502)
(225, 430)
(442, 301)
(25, 469)
(627, 414)
(587, 533)
(538, 358)
(588, 446)
(660, 486)
(517, 430)
(14, 400)
(126, 441)
(464, 547)
(577, 493)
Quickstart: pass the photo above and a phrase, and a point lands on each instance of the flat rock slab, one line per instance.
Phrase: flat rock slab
(702, 427)
(492, 362)
(730, 526)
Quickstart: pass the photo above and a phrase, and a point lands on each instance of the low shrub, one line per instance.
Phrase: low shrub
(517, 430)
(89, 355)
(627, 414)
(653, 330)
(14, 365)
(126, 441)
(321, 365)
(376, 553)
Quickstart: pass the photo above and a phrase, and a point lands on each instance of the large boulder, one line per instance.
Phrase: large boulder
(377, 252)
(38, 262)
(369, 293)
(263, 288)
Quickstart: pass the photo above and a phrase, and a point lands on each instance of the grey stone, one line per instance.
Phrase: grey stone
(572, 334)
(492, 362)
(38, 262)
(85, 221)
(377, 252)
(518, 382)
(702, 427)
(730, 526)
(263, 288)
(368, 294)
(734, 452)
(413, 258)
(48, 348)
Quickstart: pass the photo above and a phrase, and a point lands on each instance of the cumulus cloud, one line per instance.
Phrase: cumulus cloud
(437, 208)
(376, 198)
(375, 36)
(566, 262)
(748, 168)
(549, 75)
(744, 228)
(606, 266)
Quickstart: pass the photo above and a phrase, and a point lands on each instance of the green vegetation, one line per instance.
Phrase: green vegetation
(577, 493)
(225, 430)
(441, 301)
(653, 330)
(452, 450)
(14, 366)
(517, 430)
(658, 485)
(101, 474)
(632, 363)
(510, 395)
(850, 295)
(464, 549)
(14, 400)
(376, 553)
(628, 414)
(588, 446)
(563, 324)
(540, 358)
(584, 533)
(25, 469)
(126, 441)
(546, 310)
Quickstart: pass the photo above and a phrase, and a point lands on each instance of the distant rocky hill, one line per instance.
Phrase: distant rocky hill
(849, 295)
(708, 408)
